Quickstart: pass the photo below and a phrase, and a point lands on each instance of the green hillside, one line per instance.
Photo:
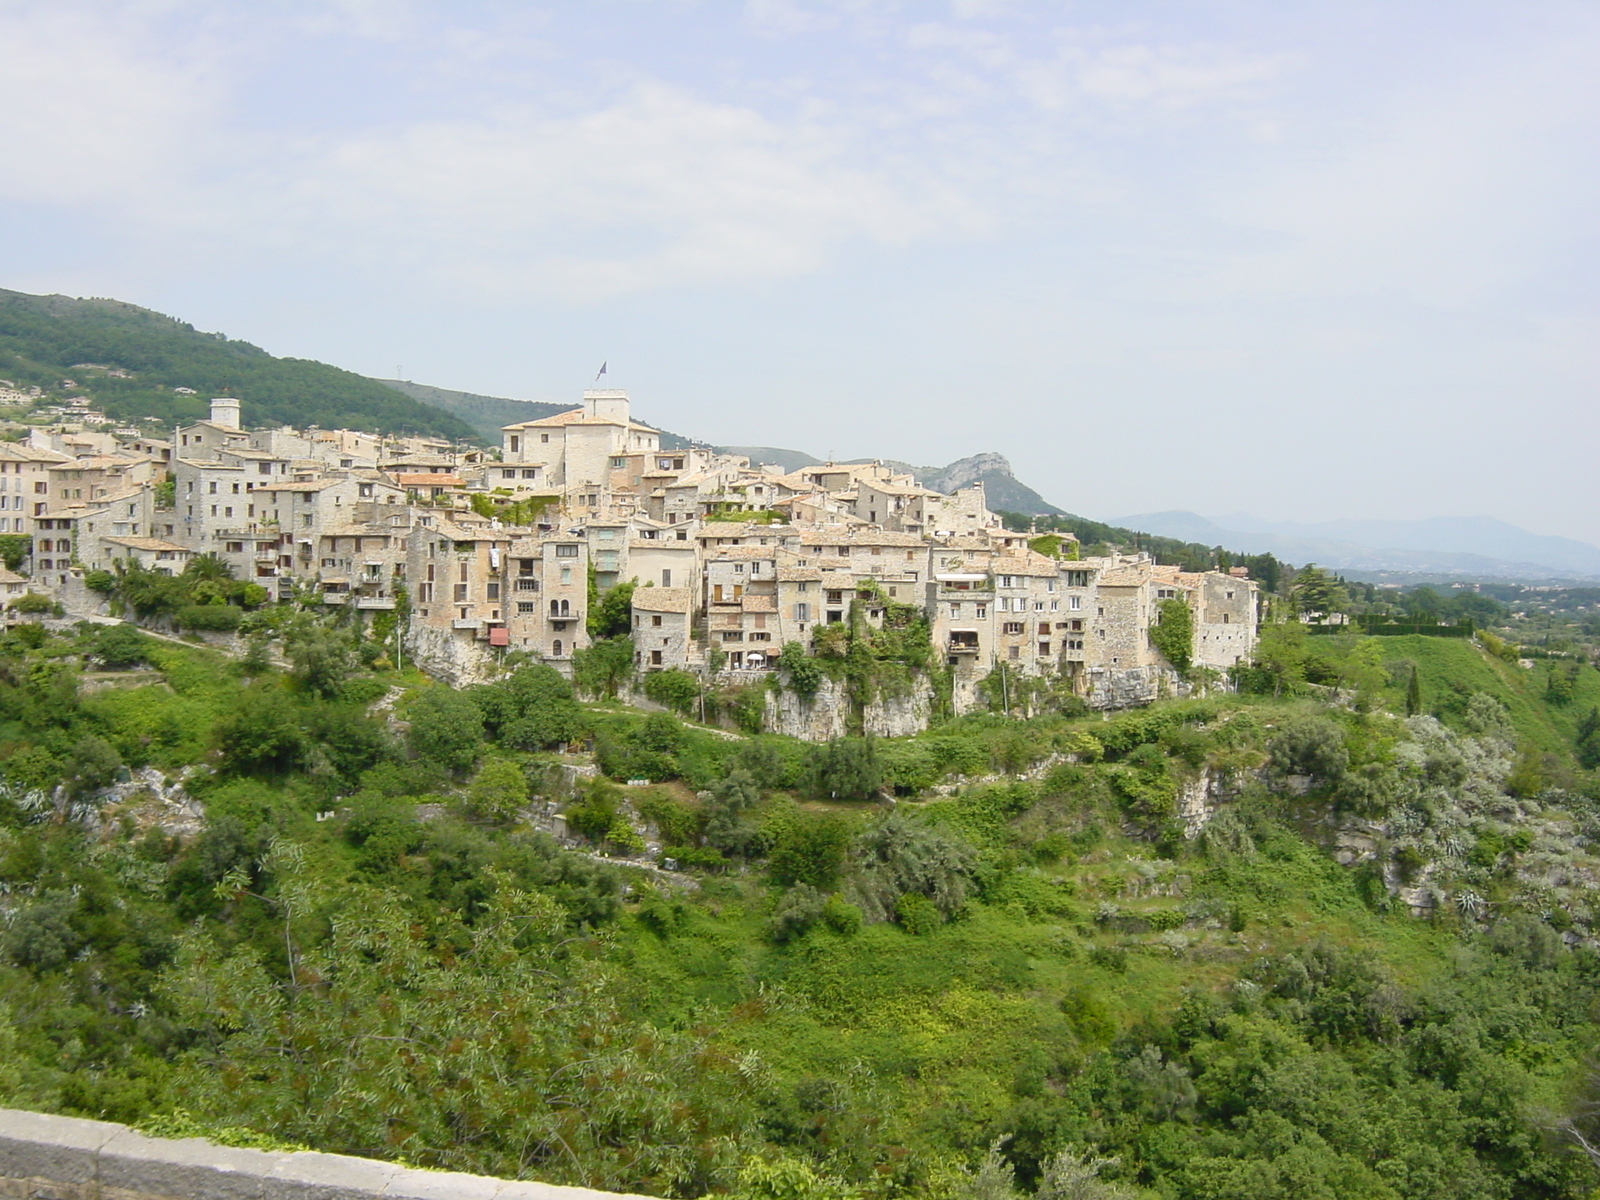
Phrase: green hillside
(129, 360)
(1452, 670)
(1373, 973)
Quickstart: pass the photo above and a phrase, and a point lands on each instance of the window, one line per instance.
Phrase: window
(618, 461)
(1226, 618)
(666, 576)
(213, 487)
(527, 606)
(566, 552)
(492, 591)
(1015, 652)
(461, 592)
(555, 646)
(955, 610)
(236, 489)
(530, 473)
(983, 611)
(1044, 649)
(1044, 629)
(516, 444)
(1074, 603)
(1011, 627)
(1008, 581)
(738, 568)
(655, 658)
(733, 635)
(1077, 579)
(545, 437)
(508, 473)
(802, 612)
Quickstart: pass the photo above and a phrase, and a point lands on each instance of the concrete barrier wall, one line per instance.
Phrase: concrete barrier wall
(63, 1158)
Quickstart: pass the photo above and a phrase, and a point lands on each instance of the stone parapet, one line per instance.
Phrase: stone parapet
(45, 1157)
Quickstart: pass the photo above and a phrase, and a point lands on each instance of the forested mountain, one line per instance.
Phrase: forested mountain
(129, 360)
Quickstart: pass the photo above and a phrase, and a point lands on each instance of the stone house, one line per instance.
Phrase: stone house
(662, 629)
(581, 445)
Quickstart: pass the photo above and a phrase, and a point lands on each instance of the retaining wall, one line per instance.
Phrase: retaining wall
(63, 1158)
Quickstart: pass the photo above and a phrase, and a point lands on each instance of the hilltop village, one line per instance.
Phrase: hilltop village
(490, 552)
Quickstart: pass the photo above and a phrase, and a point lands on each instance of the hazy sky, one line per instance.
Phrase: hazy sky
(1305, 259)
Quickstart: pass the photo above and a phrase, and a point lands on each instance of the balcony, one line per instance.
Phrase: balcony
(467, 623)
(335, 597)
(963, 643)
(375, 602)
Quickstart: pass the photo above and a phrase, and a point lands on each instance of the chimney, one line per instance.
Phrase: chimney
(225, 412)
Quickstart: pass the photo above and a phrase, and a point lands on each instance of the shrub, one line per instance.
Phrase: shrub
(799, 909)
(119, 647)
(498, 791)
(841, 916)
(33, 604)
(676, 689)
(218, 618)
(917, 914)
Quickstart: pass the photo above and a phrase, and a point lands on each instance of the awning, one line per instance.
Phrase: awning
(499, 635)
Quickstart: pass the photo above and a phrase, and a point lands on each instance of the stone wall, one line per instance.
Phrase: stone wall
(64, 1158)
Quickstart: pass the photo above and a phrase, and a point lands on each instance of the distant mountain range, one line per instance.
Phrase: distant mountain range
(1469, 547)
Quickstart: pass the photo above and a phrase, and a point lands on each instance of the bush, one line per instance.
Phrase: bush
(119, 647)
(214, 618)
(917, 914)
(498, 791)
(33, 604)
(841, 916)
(801, 907)
(675, 689)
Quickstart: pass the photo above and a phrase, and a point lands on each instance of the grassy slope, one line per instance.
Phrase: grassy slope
(1452, 669)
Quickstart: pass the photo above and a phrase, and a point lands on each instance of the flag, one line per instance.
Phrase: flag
(601, 371)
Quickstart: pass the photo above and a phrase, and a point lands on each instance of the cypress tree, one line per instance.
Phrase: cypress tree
(1414, 694)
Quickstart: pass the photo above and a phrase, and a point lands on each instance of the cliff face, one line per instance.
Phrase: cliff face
(1003, 489)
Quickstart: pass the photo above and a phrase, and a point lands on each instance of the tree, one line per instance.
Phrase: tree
(1173, 633)
(119, 646)
(811, 849)
(446, 729)
(1414, 692)
(611, 614)
(845, 769)
(321, 658)
(262, 733)
(1589, 740)
(531, 709)
(499, 790)
(601, 668)
(1315, 591)
(92, 764)
(1281, 652)
(899, 856)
